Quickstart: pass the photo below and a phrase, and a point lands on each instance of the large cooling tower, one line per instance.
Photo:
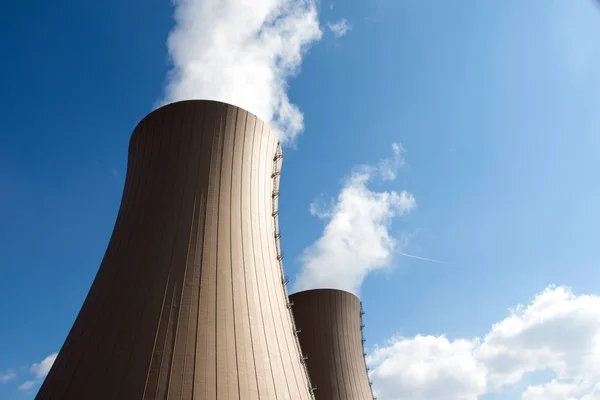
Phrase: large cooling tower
(190, 300)
(330, 324)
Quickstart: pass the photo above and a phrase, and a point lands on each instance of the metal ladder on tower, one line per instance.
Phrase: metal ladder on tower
(275, 176)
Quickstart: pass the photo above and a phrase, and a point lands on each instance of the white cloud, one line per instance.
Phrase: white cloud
(388, 167)
(7, 376)
(27, 385)
(340, 28)
(321, 208)
(553, 390)
(242, 52)
(594, 394)
(41, 370)
(427, 367)
(558, 332)
(356, 239)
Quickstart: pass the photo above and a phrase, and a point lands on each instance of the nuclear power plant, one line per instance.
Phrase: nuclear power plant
(190, 300)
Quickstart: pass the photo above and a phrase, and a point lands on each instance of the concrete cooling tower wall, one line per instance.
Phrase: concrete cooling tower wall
(330, 324)
(190, 299)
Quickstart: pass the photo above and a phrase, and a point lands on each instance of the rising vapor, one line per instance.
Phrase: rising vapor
(242, 52)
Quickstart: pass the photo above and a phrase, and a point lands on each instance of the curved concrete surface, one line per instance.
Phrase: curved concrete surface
(331, 339)
(188, 302)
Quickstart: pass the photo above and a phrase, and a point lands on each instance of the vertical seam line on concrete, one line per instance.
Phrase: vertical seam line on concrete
(161, 309)
(187, 258)
(201, 247)
(264, 332)
(348, 352)
(262, 254)
(193, 234)
(170, 313)
(319, 344)
(269, 189)
(157, 198)
(252, 240)
(242, 243)
(181, 208)
(331, 306)
(231, 248)
(125, 296)
(156, 164)
(218, 197)
(337, 334)
(262, 192)
(168, 322)
(279, 285)
(325, 308)
(345, 383)
(169, 319)
(175, 315)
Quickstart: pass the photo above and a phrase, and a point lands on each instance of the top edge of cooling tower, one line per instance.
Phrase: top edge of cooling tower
(315, 292)
(195, 102)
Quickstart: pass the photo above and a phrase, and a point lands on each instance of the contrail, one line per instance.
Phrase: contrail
(424, 259)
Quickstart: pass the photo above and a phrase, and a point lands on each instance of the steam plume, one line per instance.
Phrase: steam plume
(242, 52)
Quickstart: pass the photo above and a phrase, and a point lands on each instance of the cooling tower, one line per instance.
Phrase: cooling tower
(330, 333)
(190, 300)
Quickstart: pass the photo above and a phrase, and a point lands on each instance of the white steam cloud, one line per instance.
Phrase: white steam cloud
(356, 239)
(242, 52)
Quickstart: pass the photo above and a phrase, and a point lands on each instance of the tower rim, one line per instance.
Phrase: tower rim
(325, 290)
(180, 103)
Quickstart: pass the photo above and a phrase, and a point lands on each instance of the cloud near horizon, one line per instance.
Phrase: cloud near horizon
(242, 52)
(356, 239)
(557, 332)
(7, 376)
(40, 370)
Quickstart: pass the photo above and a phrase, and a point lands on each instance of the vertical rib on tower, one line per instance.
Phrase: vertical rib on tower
(331, 338)
(188, 302)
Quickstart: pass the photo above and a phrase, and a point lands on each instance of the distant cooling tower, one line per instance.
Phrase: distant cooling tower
(190, 299)
(330, 324)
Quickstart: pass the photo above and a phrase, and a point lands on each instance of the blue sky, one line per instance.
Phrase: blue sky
(494, 107)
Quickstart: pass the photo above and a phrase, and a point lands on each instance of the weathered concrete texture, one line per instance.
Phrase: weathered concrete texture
(188, 302)
(331, 339)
